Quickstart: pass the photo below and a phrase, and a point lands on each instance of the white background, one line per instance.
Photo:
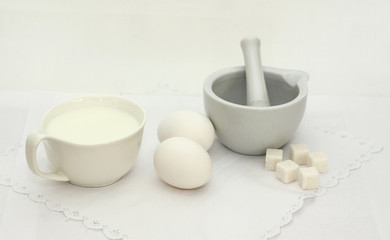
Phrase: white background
(135, 45)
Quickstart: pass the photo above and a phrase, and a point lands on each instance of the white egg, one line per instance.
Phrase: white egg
(182, 163)
(189, 124)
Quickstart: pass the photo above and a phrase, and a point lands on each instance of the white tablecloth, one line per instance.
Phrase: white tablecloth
(242, 201)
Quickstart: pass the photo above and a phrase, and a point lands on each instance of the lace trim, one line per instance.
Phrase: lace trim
(115, 234)
(6, 181)
(364, 156)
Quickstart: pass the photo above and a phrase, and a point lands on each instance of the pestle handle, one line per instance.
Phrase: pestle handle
(256, 90)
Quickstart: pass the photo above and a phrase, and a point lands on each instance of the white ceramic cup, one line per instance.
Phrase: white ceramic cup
(89, 164)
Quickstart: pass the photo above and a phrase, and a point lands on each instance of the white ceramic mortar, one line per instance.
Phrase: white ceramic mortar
(251, 130)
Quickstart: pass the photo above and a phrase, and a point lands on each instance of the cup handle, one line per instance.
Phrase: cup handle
(32, 142)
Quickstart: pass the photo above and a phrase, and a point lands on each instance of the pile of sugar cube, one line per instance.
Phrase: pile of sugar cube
(288, 171)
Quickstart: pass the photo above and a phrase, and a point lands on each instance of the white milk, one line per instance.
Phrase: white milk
(92, 125)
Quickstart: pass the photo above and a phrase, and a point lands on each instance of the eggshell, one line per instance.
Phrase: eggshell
(182, 163)
(189, 124)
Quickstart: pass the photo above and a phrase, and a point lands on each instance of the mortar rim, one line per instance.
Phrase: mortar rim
(301, 84)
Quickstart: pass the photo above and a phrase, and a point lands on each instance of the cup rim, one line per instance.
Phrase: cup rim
(288, 75)
(99, 97)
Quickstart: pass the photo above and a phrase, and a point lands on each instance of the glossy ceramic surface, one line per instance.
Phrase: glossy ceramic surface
(88, 165)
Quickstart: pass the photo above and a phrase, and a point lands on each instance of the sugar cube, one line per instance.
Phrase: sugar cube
(298, 153)
(272, 157)
(317, 160)
(287, 171)
(308, 178)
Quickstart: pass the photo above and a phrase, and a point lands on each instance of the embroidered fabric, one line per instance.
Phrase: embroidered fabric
(366, 151)
(7, 181)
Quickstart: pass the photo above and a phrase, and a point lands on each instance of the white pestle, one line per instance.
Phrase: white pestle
(256, 89)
